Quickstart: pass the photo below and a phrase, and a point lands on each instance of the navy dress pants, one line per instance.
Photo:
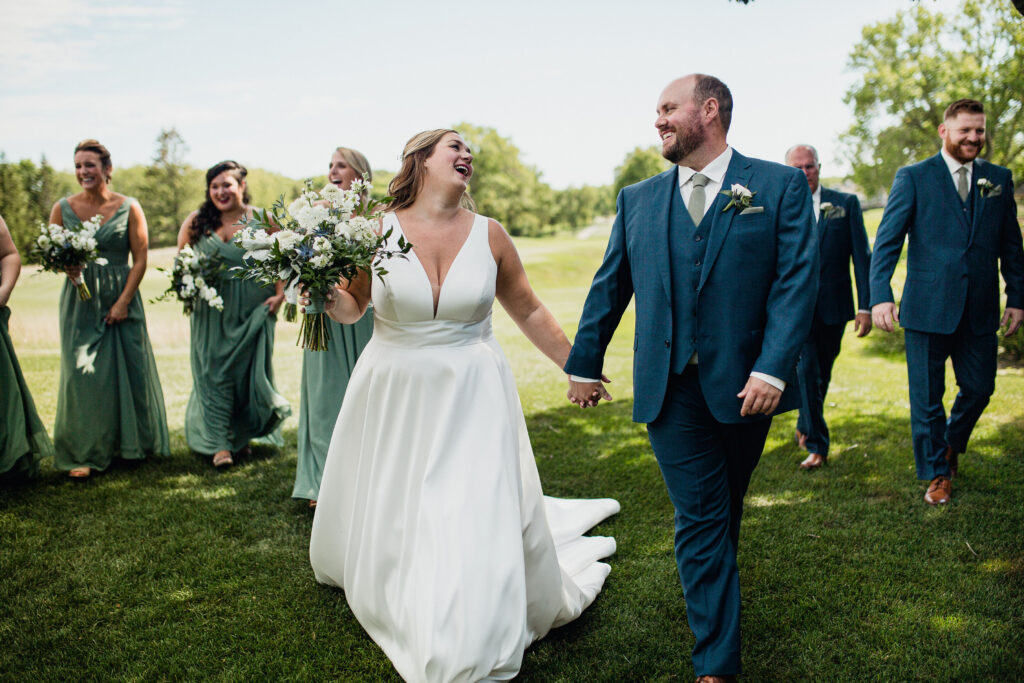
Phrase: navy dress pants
(814, 370)
(707, 466)
(974, 364)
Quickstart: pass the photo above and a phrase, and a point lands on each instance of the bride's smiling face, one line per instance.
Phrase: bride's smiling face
(451, 160)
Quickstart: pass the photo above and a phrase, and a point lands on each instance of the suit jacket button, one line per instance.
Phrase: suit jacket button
(697, 238)
(667, 343)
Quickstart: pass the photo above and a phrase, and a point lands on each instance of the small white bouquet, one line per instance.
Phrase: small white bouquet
(192, 278)
(59, 247)
(324, 237)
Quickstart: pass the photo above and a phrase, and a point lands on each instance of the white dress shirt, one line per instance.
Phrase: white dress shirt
(816, 203)
(715, 173)
(955, 166)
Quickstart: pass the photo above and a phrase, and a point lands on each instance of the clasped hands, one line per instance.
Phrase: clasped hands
(758, 396)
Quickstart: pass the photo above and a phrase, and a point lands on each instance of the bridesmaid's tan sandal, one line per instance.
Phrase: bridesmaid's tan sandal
(80, 473)
(223, 459)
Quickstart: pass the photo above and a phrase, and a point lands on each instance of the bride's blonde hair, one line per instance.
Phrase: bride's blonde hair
(408, 182)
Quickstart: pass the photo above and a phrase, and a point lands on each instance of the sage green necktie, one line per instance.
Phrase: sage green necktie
(961, 183)
(696, 206)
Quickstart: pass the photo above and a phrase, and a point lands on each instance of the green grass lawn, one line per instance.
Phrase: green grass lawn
(171, 570)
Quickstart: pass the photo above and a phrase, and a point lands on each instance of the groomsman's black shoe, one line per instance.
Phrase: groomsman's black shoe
(953, 458)
(812, 462)
(939, 491)
(801, 439)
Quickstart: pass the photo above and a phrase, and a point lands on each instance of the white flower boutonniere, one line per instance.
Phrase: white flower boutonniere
(988, 188)
(830, 210)
(739, 197)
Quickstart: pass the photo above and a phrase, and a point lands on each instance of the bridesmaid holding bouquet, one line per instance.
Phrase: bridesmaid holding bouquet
(233, 397)
(109, 402)
(325, 373)
(23, 439)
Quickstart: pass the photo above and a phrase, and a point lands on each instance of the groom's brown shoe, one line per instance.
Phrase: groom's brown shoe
(953, 458)
(716, 679)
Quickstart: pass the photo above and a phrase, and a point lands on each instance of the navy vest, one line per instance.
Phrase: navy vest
(687, 245)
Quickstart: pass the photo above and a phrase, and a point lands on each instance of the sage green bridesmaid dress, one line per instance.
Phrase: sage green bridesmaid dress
(23, 438)
(324, 380)
(109, 402)
(233, 397)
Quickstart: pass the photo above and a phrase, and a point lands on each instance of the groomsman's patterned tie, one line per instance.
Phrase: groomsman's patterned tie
(961, 183)
(696, 206)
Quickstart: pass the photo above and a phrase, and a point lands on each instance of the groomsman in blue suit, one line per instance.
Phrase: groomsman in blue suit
(958, 215)
(841, 237)
(721, 257)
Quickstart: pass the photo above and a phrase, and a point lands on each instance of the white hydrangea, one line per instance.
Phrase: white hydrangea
(332, 193)
(320, 260)
(322, 245)
(287, 239)
(298, 205)
(255, 239)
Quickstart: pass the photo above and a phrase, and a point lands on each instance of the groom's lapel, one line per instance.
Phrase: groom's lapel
(738, 173)
(661, 189)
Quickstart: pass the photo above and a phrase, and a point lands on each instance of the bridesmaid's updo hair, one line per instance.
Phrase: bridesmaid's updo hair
(207, 219)
(91, 145)
(406, 184)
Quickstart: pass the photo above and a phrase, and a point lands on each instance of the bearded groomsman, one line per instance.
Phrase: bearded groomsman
(720, 255)
(841, 237)
(958, 215)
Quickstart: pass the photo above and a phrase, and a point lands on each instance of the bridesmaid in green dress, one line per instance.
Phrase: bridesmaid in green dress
(23, 439)
(233, 397)
(109, 402)
(325, 373)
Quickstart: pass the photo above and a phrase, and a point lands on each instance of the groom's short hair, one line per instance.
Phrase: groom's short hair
(965, 105)
(705, 87)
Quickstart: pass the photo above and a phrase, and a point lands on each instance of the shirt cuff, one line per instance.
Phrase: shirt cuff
(774, 381)
(577, 378)
(861, 310)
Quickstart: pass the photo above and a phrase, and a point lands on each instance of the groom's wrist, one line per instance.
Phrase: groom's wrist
(577, 378)
(779, 384)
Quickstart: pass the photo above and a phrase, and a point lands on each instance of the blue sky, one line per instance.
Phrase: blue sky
(279, 85)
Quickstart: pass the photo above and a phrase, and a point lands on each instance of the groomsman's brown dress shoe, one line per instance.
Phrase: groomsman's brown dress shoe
(801, 439)
(953, 458)
(716, 679)
(812, 462)
(939, 491)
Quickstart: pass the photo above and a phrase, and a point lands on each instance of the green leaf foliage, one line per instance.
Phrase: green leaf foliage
(914, 65)
(640, 164)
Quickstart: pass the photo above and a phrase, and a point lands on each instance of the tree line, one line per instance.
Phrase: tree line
(503, 186)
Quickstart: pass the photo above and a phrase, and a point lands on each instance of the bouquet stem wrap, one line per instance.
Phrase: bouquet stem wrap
(83, 289)
(315, 333)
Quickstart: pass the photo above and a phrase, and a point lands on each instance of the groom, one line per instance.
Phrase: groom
(721, 256)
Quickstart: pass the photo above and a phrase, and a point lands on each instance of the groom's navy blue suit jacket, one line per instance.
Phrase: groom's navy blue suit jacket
(755, 296)
(953, 255)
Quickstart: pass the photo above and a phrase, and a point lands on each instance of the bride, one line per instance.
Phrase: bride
(431, 514)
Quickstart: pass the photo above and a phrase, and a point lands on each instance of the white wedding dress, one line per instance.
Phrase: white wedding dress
(431, 514)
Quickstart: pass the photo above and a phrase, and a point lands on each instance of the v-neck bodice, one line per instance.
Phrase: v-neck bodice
(404, 300)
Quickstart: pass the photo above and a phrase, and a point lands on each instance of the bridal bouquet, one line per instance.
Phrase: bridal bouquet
(324, 237)
(191, 278)
(59, 247)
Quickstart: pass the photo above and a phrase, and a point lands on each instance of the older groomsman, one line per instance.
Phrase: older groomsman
(958, 214)
(841, 236)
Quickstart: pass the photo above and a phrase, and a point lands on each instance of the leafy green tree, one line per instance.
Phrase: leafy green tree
(505, 188)
(165, 190)
(914, 65)
(640, 164)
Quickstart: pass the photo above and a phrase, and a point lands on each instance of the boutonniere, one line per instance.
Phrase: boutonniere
(739, 197)
(830, 210)
(988, 188)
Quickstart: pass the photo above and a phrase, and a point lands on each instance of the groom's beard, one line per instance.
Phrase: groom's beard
(686, 141)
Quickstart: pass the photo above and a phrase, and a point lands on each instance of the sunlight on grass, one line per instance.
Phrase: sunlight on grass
(996, 565)
(784, 498)
(953, 624)
(218, 493)
(181, 595)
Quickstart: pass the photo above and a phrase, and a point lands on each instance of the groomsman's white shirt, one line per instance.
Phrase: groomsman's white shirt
(955, 166)
(715, 173)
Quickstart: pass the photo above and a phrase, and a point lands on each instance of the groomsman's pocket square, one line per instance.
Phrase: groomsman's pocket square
(752, 209)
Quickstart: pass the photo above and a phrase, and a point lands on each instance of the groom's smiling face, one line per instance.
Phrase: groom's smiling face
(679, 121)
